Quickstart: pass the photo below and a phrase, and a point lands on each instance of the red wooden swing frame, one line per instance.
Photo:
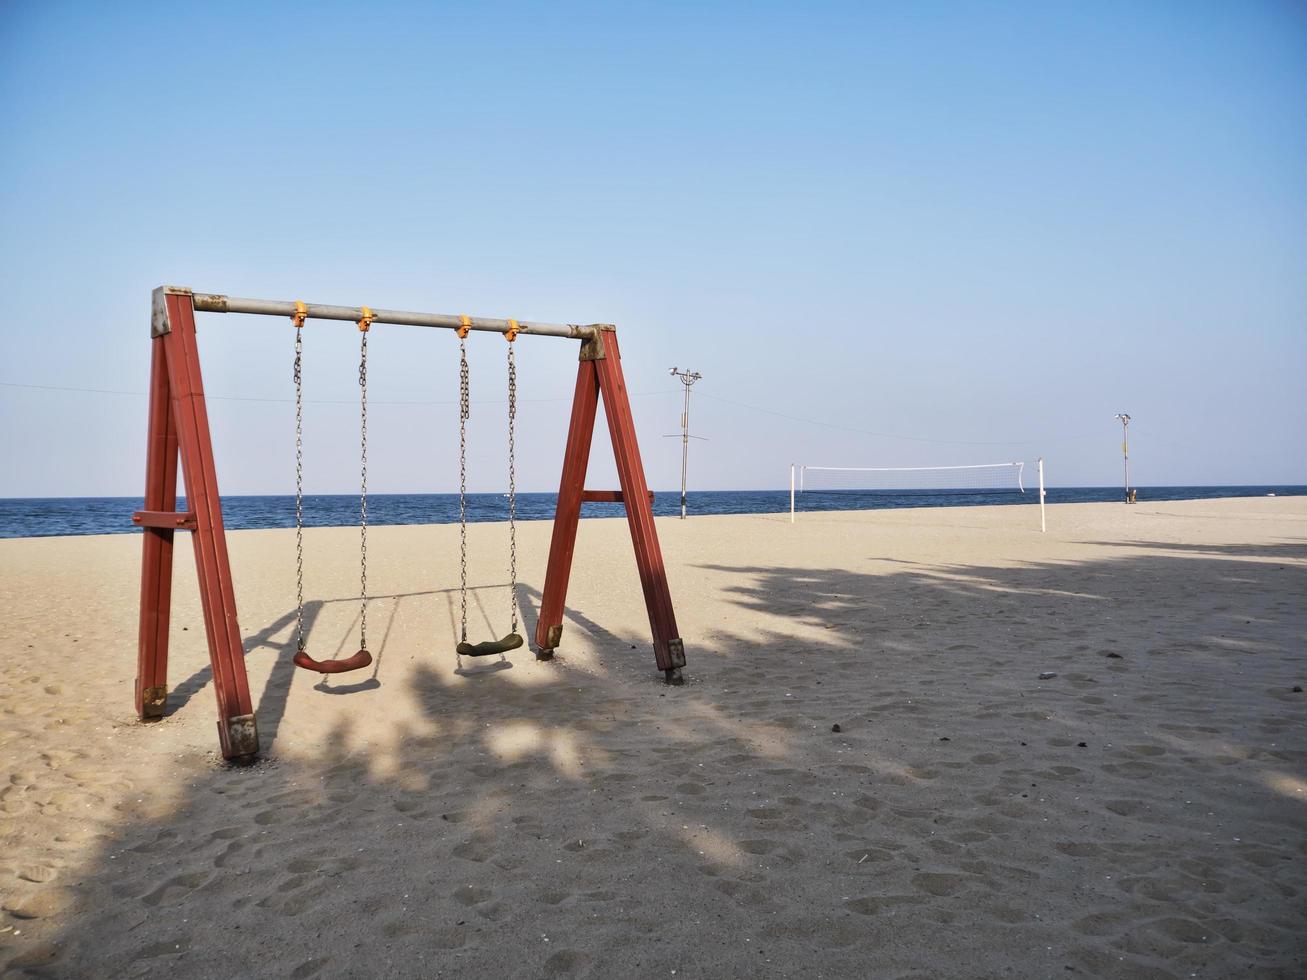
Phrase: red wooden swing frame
(179, 430)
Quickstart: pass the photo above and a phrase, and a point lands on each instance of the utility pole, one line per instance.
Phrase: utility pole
(1124, 419)
(688, 378)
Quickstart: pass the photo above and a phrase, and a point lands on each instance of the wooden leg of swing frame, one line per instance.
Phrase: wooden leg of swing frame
(576, 459)
(237, 731)
(669, 651)
(157, 545)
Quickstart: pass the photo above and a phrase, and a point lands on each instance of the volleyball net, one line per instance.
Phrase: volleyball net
(980, 478)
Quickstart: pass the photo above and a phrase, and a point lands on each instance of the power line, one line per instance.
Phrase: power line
(868, 432)
(314, 401)
(634, 394)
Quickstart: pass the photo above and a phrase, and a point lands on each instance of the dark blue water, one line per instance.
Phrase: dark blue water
(42, 516)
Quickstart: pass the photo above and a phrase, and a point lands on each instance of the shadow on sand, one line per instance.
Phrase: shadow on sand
(598, 824)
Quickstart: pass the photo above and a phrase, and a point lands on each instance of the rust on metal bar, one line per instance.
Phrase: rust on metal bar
(593, 348)
(160, 322)
(170, 519)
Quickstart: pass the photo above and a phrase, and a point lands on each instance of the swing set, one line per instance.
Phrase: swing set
(179, 429)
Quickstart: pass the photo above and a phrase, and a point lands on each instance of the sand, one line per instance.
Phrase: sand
(1142, 813)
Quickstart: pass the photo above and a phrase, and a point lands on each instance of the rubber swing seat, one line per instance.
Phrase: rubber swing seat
(488, 648)
(357, 662)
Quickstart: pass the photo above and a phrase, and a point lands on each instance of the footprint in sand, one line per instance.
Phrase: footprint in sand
(1125, 808)
(1145, 750)
(939, 883)
(616, 777)
(451, 937)
(35, 958)
(1134, 769)
(869, 803)
(474, 850)
(818, 932)
(743, 894)
(309, 968)
(1006, 915)
(168, 948)
(1181, 930)
(45, 904)
(875, 905)
(1104, 923)
(228, 854)
(1150, 889)
(862, 856)
(306, 899)
(566, 963)
(399, 927)
(945, 847)
(470, 895)
(177, 888)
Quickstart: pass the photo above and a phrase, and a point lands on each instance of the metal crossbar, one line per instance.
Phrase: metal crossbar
(217, 303)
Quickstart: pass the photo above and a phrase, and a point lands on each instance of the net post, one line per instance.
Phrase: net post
(791, 493)
(1043, 524)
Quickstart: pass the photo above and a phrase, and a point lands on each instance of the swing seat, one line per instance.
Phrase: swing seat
(488, 648)
(357, 662)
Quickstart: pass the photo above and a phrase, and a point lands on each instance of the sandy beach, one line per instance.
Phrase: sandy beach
(864, 775)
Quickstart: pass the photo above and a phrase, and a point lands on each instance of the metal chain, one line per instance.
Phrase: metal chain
(363, 492)
(464, 409)
(299, 490)
(512, 486)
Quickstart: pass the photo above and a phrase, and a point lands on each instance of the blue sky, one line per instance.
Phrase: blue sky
(916, 234)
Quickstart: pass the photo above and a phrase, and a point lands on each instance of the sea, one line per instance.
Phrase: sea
(24, 517)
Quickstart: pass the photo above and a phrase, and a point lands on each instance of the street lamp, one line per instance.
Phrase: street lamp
(688, 378)
(1124, 419)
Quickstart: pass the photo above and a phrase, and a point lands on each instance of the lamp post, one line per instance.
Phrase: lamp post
(688, 378)
(1124, 419)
